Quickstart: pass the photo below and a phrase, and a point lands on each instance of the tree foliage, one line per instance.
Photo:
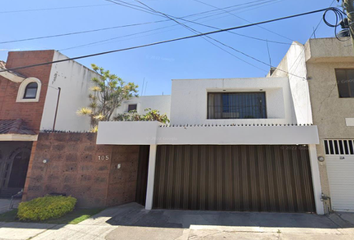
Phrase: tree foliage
(150, 115)
(108, 93)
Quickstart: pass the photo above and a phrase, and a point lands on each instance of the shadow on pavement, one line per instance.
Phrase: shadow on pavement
(135, 215)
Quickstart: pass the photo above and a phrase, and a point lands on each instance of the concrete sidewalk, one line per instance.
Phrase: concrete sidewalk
(5, 204)
(132, 221)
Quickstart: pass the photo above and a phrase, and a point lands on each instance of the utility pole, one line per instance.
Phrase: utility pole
(348, 6)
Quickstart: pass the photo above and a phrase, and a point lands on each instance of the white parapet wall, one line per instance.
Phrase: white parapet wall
(127, 133)
(147, 133)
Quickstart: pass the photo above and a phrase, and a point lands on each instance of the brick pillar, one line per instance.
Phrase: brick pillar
(29, 171)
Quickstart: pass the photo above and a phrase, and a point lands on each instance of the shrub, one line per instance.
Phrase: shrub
(43, 208)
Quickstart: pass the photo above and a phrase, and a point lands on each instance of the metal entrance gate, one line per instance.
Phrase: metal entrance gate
(235, 178)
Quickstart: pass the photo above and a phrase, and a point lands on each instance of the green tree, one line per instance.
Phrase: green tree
(150, 115)
(108, 93)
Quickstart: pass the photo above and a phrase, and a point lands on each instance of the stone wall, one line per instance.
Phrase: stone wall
(78, 167)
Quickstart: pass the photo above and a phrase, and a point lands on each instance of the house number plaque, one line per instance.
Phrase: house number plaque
(103, 157)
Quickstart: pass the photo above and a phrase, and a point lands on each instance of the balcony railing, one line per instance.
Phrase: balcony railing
(228, 112)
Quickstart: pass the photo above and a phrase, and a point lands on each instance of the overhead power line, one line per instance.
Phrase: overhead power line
(170, 40)
(319, 23)
(297, 60)
(80, 32)
(50, 9)
(133, 6)
(207, 4)
(207, 37)
(180, 18)
(213, 39)
(121, 26)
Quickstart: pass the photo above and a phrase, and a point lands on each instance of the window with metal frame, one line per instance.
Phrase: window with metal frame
(237, 105)
(339, 147)
(345, 82)
(132, 107)
(31, 91)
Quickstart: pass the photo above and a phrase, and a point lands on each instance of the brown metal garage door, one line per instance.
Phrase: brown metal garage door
(236, 178)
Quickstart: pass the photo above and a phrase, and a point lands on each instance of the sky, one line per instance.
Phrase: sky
(242, 56)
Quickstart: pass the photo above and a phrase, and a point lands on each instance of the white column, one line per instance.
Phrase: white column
(316, 181)
(151, 177)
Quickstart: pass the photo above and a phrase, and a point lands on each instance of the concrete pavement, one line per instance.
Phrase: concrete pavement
(131, 222)
(5, 204)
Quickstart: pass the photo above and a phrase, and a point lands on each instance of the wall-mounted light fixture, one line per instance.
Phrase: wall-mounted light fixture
(45, 161)
(321, 159)
(118, 166)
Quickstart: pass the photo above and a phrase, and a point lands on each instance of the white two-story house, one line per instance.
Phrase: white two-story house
(232, 144)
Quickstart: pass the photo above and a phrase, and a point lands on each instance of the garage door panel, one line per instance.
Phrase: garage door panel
(236, 178)
(288, 181)
(307, 179)
(341, 181)
(297, 182)
(279, 179)
(253, 184)
(240, 178)
(263, 199)
(186, 176)
(202, 179)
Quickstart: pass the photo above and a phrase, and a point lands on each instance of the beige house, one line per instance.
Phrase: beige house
(324, 68)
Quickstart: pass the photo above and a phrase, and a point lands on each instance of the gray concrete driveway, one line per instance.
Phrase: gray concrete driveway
(132, 222)
(137, 223)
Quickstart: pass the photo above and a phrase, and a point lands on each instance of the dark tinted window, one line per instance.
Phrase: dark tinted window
(31, 91)
(236, 105)
(345, 82)
(132, 107)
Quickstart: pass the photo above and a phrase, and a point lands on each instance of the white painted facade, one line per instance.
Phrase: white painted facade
(294, 63)
(190, 96)
(75, 81)
(162, 103)
(143, 133)
(190, 124)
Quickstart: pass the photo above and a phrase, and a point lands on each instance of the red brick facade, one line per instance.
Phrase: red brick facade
(30, 112)
(78, 167)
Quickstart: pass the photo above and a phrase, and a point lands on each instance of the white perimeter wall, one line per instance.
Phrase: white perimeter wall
(159, 102)
(133, 133)
(74, 80)
(293, 66)
(189, 99)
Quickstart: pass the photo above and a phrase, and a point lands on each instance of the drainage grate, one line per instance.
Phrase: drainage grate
(339, 147)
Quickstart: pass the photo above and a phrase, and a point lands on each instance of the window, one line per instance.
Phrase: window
(132, 107)
(345, 82)
(31, 91)
(240, 105)
(339, 147)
